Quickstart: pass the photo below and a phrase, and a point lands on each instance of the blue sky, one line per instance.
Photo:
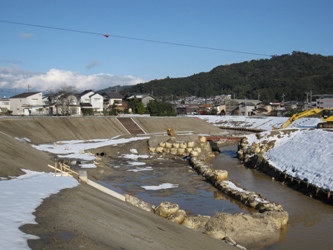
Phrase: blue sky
(44, 59)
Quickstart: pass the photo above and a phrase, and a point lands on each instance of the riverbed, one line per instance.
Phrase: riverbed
(310, 221)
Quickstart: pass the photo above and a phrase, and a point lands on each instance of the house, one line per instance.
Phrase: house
(144, 98)
(247, 108)
(113, 100)
(28, 103)
(187, 110)
(4, 105)
(295, 106)
(232, 107)
(91, 100)
(84, 97)
(324, 101)
(96, 101)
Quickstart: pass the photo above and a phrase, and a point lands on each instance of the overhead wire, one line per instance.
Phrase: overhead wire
(135, 38)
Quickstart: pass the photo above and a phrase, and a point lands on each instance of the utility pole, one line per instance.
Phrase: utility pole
(283, 97)
(311, 97)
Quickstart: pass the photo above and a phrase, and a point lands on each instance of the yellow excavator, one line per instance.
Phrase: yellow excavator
(326, 116)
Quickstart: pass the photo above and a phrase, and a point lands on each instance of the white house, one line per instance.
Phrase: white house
(28, 103)
(247, 107)
(324, 101)
(4, 105)
(96, 101)
(85, 96)
(91, 100)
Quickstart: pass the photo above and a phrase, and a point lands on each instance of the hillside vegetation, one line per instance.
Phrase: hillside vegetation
(291, 75)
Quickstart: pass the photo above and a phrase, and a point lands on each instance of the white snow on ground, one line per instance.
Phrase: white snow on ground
(22, 195)
(76, 148)
(263, 123)
(88, 165)
(305, 153)
(140, 169)
(134, 156)
(161, 186)
(19, 199)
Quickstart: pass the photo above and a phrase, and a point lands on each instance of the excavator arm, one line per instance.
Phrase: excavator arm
(305, 113)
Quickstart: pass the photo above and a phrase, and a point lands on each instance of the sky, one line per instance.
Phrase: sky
(46, 45)
(25, 193)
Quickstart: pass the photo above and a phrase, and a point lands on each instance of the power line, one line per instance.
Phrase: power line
(136, 39)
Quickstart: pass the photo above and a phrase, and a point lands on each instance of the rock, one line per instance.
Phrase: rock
(165, 209)
(178, 217)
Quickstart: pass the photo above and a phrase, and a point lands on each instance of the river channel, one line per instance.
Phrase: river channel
(310, 223)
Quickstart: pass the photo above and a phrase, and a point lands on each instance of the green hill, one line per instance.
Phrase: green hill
(291, 74)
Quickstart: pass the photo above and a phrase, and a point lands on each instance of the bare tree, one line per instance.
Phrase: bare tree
(65, 98)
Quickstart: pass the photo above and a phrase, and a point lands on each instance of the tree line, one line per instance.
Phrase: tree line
(288, 77)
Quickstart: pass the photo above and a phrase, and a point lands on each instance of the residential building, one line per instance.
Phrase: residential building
(324, 101)
(96, 101)
(84, 97)
(4, 105)
(28, 103)
(187, 109)
(295, 106)
(247, 107)
(91, 100)
(144, 98)
(113, 100)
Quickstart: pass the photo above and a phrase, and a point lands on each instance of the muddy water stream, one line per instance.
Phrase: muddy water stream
(310, 221)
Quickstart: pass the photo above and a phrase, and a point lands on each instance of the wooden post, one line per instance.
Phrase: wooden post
(55, 169)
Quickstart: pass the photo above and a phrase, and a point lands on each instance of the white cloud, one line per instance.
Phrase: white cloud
(13, 77)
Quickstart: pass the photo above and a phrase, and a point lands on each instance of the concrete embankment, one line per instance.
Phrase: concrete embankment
(50, 129)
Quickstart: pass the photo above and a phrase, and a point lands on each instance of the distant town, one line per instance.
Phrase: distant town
(90, 102)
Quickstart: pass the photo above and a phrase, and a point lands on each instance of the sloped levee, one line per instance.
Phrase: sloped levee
(16, 154)
(50, 129)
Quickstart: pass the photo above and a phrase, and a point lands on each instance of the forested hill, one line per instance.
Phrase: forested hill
(291, 74)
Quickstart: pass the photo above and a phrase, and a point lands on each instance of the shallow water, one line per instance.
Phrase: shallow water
(310, 221)
(193, 194)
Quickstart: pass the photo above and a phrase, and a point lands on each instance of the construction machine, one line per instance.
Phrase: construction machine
(326, 116)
